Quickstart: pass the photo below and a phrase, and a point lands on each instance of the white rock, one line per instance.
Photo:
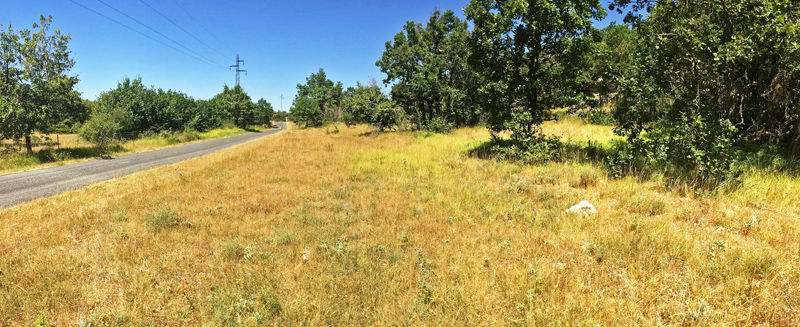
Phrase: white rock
(584, 208)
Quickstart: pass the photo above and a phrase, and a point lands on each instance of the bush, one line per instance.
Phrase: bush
(597, 117)
(690, 149)
(538, 149)
(439, 125)
(105, 126)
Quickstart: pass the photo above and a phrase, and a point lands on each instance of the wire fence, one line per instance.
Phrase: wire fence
(44, 141)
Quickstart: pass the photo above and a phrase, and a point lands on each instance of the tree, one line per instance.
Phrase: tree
(174, 110)
(530, 56)
(432, 80)
(611, 60)
(36, 91)
(237, 104)
(264, 112)
(135, 104)
(105, 126)
(709, 74)
(305, 109)
(368, 105)
(317, 100)
(207, 115)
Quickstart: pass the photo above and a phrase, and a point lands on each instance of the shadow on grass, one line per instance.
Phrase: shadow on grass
(553, 150)
(56, 155)
(45, 156)
(619, 159)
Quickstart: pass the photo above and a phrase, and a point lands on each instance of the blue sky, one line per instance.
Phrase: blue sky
(281, 42)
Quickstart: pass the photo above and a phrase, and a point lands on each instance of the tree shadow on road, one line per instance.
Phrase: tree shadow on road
(50, 155)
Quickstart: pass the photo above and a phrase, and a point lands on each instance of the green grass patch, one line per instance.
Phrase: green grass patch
(165, 219)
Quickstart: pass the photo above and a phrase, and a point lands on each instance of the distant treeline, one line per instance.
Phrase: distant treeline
(37, 95)
(690, 83)
(133, 109)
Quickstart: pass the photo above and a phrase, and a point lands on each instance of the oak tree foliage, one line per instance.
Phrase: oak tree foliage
(366, 104)
(530, 54)
(318, 100)
(426, 66)
(708, 75)
(36, 89)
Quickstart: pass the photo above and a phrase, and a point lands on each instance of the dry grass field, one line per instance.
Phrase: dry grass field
(313, 228)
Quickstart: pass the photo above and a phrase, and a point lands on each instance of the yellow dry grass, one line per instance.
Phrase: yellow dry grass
(311, 228)
(573, 130)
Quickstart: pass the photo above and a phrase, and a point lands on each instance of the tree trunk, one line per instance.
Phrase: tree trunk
(28, 144)
(796, 141)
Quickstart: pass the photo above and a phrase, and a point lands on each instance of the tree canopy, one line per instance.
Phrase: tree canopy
(708, 74)
(427, 67)
(237, 104)
(368, 105)
(529, 54)
(317, 100)
(263, 112)
(36, 90)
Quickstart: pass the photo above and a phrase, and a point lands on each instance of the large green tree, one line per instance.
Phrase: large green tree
(530, 53)
(264, 112)
(134, 107)
(317, 100)
(710, 73)
(36, 90)
(237, 104)
(427, 67)
(366, 104)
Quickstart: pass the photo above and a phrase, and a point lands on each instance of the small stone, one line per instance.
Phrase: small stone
(584, 208)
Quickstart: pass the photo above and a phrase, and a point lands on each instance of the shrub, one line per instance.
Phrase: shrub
(597, 117)
(233, 251)
(439, 125)
(105, 126)
(164, 219)
(540, 148)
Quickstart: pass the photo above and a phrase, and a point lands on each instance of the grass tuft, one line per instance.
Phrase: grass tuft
(164, 219)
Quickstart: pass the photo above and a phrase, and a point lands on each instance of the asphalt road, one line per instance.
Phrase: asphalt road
(26, 186)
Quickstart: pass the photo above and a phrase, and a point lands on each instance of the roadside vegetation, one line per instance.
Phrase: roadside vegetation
(39, 108)
(323, 228)
(73, 148)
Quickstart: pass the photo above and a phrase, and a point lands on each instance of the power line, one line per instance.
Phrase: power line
(187, 32)
(145, 35)
(201, 25)
(252, 81)
(159, 33)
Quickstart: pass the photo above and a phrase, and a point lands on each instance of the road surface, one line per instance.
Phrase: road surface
(26, 186)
